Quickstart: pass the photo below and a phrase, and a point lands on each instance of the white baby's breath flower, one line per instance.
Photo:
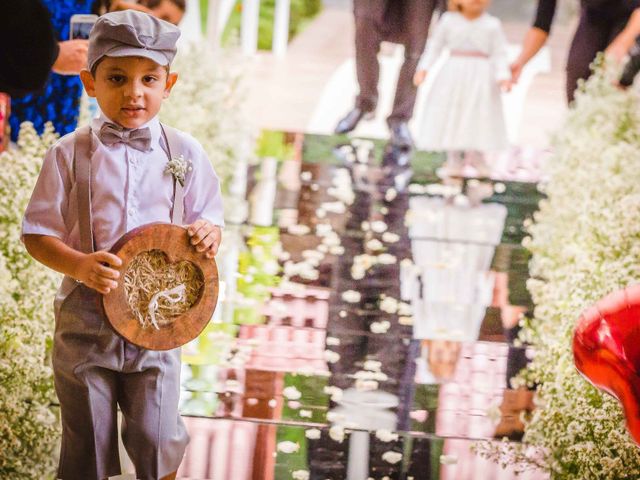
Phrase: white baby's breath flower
(389, 305)
(288, 447)
(372, 365)
(392, 457)
(336, 433)
(387, 259)
(390, 237)
(312, 434)
(351, 296)
(378, 226)
(374, 244)
(390, 194)
(178, 167)
(331, 356)
(291, 393)
(298, 229)
(334, 207)
(380, 327)
(386, 435)
(334, 392)
(405, 321)
(300, 475)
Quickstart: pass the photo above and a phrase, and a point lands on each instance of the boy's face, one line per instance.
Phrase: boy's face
(129, 90)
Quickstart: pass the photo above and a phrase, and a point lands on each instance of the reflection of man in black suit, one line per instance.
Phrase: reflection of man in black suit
(399, 21)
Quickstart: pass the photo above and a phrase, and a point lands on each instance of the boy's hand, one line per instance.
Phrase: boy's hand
(205, 237)
(419, 77)
(94, 270)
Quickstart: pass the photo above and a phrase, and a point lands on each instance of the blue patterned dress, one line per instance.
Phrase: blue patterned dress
(60, 100)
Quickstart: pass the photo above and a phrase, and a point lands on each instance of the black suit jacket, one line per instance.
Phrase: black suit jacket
(28, 47)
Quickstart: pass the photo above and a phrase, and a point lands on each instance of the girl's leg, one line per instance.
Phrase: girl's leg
(454, 164)
(478, 160)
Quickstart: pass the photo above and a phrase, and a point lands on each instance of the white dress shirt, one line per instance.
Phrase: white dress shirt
(129, 188)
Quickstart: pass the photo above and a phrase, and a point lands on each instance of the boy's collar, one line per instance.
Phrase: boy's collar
(153, 124)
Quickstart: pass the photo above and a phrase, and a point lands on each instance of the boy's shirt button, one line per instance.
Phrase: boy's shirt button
(131, 211)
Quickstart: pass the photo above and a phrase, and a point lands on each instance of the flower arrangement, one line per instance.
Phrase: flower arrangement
(28, 423)
(585, 242)
(178, 167)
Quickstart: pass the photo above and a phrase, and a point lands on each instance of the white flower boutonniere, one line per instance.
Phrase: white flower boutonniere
(178, 167)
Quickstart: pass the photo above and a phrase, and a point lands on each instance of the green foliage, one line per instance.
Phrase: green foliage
(301, 12)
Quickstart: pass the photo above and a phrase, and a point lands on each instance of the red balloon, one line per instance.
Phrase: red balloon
(606, 350)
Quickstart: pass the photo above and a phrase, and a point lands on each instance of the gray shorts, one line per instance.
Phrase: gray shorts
(95, 371)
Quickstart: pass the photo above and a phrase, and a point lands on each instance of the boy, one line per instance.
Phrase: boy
(95, 186)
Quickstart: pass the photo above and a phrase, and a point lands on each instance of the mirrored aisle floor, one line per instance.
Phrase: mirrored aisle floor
(370, 334)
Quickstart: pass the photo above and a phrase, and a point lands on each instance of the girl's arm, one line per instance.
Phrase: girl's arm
(499, 53)
(435, 44)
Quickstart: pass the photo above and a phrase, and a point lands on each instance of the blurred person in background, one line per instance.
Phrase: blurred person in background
(170, 11)
(463, 112)
(58, 101)
(399, 21)
(609, 26)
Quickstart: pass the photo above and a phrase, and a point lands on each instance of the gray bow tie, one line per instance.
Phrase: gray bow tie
(140, 139)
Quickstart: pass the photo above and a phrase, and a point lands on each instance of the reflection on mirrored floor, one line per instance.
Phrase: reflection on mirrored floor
(370, 334)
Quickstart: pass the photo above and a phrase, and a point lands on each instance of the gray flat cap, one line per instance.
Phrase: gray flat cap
(131, 33)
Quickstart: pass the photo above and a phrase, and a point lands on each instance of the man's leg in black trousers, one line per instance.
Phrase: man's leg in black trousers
(416, 19)
(369, 21)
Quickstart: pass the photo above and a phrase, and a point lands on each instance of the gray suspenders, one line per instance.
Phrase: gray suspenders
(82, 171)
(82, 153)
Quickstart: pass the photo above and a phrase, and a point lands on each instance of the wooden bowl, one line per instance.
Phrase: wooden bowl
(174, 241)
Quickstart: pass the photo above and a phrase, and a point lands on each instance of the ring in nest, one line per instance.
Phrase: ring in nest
(157, 291)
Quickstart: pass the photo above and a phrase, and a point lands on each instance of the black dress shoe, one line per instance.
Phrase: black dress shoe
(400, 135)
(351, 120)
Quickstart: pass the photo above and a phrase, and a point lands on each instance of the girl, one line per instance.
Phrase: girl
(463, 112)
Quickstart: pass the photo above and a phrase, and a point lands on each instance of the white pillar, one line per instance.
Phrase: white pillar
(191, 25)
(281, 27)
(249, 27)
(214, 29)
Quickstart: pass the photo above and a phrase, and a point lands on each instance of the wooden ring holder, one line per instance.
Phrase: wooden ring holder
(174, 241)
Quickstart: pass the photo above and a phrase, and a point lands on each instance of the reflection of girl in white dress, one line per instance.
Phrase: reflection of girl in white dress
(463, 111)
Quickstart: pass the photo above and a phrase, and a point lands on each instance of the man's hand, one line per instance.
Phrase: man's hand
(205, 237)
(419, 77)
(72, 57)
(94, 270)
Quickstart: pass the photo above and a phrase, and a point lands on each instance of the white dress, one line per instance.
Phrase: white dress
(463, 109)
